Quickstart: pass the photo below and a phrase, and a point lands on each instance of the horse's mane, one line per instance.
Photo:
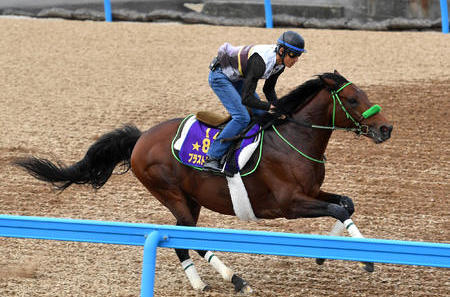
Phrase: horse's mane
(300, 96)
(305, 92)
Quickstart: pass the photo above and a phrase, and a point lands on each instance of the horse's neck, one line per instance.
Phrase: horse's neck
(318, 110)
(312, 141)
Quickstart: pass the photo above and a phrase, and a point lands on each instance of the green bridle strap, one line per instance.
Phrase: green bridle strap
(343, 87)
(335, 96)
(295, 149)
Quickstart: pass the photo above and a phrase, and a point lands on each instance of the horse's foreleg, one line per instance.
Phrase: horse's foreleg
(354, 232)
(344, 201)
(227, 274)
(338, 228)
(337, 203)
(344, 223)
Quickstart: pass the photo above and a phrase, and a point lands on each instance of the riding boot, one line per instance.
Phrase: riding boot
(214, 165)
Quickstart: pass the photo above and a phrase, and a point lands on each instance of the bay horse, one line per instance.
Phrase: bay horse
(287, 183)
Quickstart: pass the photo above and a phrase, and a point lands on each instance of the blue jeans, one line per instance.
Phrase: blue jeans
(229, 94)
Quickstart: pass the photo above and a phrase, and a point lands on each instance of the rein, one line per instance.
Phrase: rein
(296, 149)
(359, 130)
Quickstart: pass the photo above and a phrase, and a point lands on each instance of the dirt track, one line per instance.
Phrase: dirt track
(64, 83)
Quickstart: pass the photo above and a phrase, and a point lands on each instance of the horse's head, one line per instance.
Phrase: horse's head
(352, 109)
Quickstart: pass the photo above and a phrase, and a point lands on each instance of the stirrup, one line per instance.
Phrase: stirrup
(220, 170)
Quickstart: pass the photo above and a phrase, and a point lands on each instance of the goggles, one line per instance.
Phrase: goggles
(293, 54)
(292, 51)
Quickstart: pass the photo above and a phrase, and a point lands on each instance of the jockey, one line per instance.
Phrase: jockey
(234, 77)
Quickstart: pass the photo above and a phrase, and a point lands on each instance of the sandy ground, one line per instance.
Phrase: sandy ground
(64, 83)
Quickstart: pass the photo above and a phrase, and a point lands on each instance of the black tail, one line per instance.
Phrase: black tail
(97, 165)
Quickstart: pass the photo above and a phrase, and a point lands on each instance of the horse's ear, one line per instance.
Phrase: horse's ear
(336, 72)
(331, 84)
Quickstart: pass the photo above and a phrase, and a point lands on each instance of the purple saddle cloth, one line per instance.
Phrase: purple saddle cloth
(194, 138)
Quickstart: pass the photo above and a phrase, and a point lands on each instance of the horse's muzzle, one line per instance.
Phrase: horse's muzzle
(381, 133)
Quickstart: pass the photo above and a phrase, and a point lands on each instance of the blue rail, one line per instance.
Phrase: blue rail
(255, 242)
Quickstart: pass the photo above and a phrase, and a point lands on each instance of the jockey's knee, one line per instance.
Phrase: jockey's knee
(338, 212)
(243, 120)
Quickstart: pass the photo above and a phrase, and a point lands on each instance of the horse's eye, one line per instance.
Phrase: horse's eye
(353, 102)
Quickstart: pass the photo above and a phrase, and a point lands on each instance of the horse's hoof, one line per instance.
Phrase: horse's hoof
(207, 288)
(320, 261)
(246, 290)
(367, 266)
(240, 285)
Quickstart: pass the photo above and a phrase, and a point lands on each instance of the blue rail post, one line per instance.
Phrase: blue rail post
(149, 263)
(268, 9)
(444, 16)
(108, 14)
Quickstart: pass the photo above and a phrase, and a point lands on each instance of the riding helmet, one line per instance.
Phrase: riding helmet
(292, 42)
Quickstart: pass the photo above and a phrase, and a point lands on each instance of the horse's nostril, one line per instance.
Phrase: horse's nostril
(386, 131)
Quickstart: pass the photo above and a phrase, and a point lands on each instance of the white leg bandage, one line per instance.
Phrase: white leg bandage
(352, 229)
(192, 275)
(224, 271)
(338, 229)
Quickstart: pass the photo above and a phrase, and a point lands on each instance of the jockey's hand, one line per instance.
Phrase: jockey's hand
(272, 110)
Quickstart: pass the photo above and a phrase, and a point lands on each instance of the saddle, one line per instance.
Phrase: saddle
(196, 134)
(212, 119)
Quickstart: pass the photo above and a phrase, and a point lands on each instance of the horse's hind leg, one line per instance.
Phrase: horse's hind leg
(183, 254)
(190, 270)
(186, 211)
(227, 274)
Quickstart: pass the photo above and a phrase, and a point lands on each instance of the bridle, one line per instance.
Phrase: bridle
(359, 129)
